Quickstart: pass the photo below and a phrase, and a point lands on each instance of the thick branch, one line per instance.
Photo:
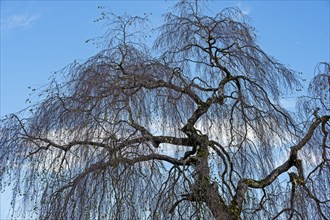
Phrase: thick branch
(243, 184)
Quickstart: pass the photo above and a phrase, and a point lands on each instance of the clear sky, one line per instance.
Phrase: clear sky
(40, 37)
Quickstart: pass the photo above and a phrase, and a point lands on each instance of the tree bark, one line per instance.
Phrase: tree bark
(219, 210)
(207, 192)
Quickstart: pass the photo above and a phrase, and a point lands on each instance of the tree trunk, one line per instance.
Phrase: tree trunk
(219, 210)
(207, 192)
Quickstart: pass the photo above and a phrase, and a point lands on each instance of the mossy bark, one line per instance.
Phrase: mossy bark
(205, 191)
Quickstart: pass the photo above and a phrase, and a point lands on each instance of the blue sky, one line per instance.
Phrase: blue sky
(40, 37)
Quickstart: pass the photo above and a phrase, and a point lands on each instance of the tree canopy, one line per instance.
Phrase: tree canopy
(189, 127)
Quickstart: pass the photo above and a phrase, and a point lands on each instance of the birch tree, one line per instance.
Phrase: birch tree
(188, 128)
